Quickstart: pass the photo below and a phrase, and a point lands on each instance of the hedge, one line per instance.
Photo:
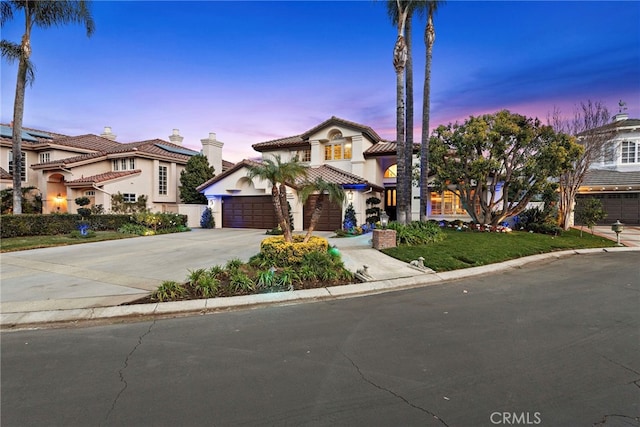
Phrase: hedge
(52, 224)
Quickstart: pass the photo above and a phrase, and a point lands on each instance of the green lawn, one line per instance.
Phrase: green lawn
(472, 249)
(34, 242)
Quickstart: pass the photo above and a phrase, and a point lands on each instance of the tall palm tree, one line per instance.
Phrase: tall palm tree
(399, 63)
(325, 190)
(278, 174)
(44, 14)
(429, 39)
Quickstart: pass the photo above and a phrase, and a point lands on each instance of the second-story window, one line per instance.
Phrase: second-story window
(304, 155)
(338, 151)
(629, 152)
(23, 162)
(162, 180)
(126, 163)
(45, 157)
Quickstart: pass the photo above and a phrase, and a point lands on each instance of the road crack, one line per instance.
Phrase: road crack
(396, 395)
(604, 419)
(125, 365)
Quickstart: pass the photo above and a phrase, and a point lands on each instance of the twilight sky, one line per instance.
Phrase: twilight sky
(255, 71)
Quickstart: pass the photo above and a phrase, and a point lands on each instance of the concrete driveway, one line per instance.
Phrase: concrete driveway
(104, 274)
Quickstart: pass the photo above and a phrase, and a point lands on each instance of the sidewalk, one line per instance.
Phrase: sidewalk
(90, 281)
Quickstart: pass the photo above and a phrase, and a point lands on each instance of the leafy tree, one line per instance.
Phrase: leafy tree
(325, 190)
(497, 163)
(587, 125)
(197, 171)
(31, 203)
(589, 212)
(42, 14)
(373, 212)
(278, 174)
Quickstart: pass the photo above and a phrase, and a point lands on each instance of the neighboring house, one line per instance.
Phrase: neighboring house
(340, 151)
(64, 168)
(615, 179)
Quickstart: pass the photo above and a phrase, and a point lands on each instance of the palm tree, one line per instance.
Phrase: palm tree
(279, 173)
(429, 40)
(399, 63)
(44, 14)
(333, 192)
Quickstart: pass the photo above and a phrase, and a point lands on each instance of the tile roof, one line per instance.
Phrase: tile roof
(103, 177)
(385, 149)
(608, 178)
(4, 174)
(86, 142)
(303, 139)
(237, 166)
(70, 160)
(333, 175)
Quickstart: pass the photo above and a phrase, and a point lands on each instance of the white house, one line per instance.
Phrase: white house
(615, 178)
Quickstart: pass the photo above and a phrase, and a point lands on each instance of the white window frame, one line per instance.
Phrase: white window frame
(129, 197)
(45, 157)
(629, 152)
(163, 174)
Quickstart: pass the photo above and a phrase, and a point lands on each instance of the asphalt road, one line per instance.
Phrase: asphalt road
(553, 344)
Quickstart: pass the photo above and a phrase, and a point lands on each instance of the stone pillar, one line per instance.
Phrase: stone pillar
(383, 239)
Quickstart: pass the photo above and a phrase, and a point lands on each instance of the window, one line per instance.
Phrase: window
(90, 193)
(391, 172)
(337, 151)
(162, 180)
(127, 163)
(23, 162)
(629, 152)
(45, 157)
(304, 155)
(129, 197)
(446, 203)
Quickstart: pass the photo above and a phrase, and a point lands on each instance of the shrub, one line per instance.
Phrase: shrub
(538, 221)
(589, 212)
(280, 253)
(417, 233)
(52, 224)
(169, 291)
(207, 220)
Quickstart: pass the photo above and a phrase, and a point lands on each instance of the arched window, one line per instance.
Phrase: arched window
(391, 172)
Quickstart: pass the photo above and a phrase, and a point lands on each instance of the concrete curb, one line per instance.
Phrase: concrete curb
(9, 321)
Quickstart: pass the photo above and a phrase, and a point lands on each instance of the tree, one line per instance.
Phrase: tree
(196, 172)
(497, 163)
(325, 190)
(589, 212)
(207, 220)
(399, 62)
(587, 125)
(44, 14)
(278, 174)
(429, 40)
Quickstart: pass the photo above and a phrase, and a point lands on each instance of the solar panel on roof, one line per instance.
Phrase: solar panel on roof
(7, 132)
(183, 151)
(39, 134)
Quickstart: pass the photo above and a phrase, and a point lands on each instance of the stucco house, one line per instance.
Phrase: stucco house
(343, 152)
(64, 167)
(615, 178)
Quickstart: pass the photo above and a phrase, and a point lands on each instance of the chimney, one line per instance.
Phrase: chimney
(175, 137)
(212, 150)
(108, 134)
(620, 116)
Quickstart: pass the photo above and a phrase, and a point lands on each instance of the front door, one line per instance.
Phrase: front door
(390, 202)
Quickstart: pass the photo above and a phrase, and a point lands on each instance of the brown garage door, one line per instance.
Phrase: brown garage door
(331, 218)
(248, 212)
(619, 206)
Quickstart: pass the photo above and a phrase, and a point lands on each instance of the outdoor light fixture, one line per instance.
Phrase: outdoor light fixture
(350, 195)
(384, 219)
(617, 228)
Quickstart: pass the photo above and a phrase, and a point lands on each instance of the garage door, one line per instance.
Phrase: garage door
(331, 218)
(248, 212)
(619, 206)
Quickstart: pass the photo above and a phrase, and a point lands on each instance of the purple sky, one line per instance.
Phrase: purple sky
(254, 71)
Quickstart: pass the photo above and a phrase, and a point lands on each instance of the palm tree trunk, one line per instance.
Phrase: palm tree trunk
(284, 211)
(399, 61)
(18, 113)
(429, 39)
(275, 197)
(408, 155)
(315, 217)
